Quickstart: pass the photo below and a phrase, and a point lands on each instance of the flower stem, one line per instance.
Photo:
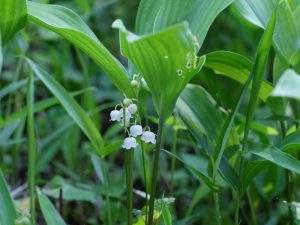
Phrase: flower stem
(145, 178)
(104, 171)
(217, 207)
(129, 181)
(173, 162)
(155, 171)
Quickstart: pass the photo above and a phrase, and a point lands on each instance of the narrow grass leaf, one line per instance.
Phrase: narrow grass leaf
(69, 25)
(71, 106)
(50, 214)
(31, 145)
(38, 107)
(258, 73)
(8, 212)
(166, 213)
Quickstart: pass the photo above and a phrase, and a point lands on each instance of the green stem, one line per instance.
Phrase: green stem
(129, 176)
(252, 208)
(31, 146)
(173, 162)
(155, 171)
(217, 207)
(145, 178)
(105, 176)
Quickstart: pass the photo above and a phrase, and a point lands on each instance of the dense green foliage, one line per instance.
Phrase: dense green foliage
(149, 112)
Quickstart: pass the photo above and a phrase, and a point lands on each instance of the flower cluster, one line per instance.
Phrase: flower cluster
(125, 116)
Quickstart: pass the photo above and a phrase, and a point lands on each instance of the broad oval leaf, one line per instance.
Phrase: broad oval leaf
(285, 35)
(236, 67)
(167, 60)
(69, 25)
(288, 85)
(13, 16)
(155, 15)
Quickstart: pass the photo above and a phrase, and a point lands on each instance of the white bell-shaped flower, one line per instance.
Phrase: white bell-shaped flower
(148, 137)
(129, 143)
(136, 130)
(132, 108)
(115, 115)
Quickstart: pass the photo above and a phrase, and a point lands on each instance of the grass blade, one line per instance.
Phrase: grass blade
(71, 106)
(8, 212)
(51, 216)
(31, 146)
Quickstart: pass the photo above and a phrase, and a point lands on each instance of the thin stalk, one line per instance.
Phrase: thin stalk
(129, 176)
(252, 208)
(155, 171)
(31, 146)
(173, 162)
(145, 178)
(105, 176)
(217, 207)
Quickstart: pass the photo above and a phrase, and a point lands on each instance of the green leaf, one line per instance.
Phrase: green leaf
(166, 213)
(13, 16)
(31, 145)
(50, 214)
(199, 172)
(236, 67)
(165, 68)
(277, 157)
(155, 15)
(288, 85)
(8, 212)
(38, 107)
(285, 35)
(71, 106)
(70, 26)
(257, 72)
(200, 113)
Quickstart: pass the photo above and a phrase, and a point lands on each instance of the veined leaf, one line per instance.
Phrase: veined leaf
(285, 35)
(288, 85)
(13, 16)
(71, 106)
(236, 67)
(51, 216)
(8, 212)
(166, 68)
(278, 157)
(155, 15)
(69, 25)
(200, 113)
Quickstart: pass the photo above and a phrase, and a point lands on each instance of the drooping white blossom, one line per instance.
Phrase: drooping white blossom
(129, 143)
(132, 108)
(148, 137)
(136, 130)
(116, 115)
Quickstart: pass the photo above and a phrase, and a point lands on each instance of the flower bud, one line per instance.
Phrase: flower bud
(129, 143)
(132, 108)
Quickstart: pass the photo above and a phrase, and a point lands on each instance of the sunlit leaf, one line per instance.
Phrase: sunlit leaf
(288, 85)
(13, 16)
(166, 69)
(69, 25)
